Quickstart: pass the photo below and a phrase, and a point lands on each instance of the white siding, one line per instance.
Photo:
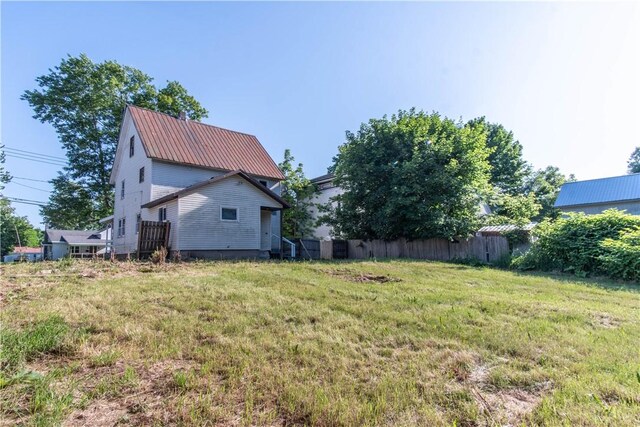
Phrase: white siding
(172, 206)
(168, 177)
(200, 226)
(136, 193)
(323, 231)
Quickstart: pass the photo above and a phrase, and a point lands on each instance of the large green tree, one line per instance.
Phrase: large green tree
(84, 102)
(509, 170)
(634, 161)
(298, 191)
(413, 175)
(15, 230)
(545, 185)
(70, 205)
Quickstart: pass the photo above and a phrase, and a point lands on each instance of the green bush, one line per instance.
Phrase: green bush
(575, 243)
(621, 258)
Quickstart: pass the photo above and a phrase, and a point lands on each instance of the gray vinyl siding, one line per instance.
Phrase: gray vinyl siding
(200, 226)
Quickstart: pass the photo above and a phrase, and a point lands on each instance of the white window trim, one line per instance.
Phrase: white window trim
(230, 220)
(160, 209)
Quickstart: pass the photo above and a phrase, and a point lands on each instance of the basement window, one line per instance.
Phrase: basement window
(229, 214)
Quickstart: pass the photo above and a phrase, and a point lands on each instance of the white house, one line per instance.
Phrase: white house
(326, 190)
(218, 188)
(74, 243)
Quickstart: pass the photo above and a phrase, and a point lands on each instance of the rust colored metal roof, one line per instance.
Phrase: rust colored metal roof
(188, 142)
(26, 250)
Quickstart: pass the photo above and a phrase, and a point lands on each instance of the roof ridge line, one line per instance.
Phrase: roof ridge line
(603, 178)
(191, 120)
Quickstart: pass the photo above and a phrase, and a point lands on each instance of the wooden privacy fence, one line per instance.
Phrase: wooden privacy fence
(152, 236)
(307, 248)
(486, 249)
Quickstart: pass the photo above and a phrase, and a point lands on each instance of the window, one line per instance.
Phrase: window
(121, 227)
(263, 182)
(162, 214)
(141, 175)
(122, 190)
(132, 143)
(138, 219)
(229, 214)
(74, 249)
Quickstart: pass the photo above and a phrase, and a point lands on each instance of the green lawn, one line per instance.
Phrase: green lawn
(326, 343)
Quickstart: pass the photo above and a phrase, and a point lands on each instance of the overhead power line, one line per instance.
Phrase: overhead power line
(35, 159)
(35, 154)
(28, 179)
(25, 201)
(28, 186)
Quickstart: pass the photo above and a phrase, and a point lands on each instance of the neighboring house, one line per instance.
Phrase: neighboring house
(596, 195)
(218, 188)
(326, 190)
(23, 253)
(74, 243)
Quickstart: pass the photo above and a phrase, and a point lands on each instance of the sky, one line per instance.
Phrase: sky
(564, 77)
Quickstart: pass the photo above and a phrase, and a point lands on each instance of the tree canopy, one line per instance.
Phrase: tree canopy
(413, 175)
(545, 185)
(84, 102)
(634, 161)
(509, 170)
(15, 230)
(298, 191)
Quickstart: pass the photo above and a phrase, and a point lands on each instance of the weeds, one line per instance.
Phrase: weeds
(340, 343)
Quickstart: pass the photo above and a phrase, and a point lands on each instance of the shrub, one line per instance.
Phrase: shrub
(574, 243)
(159, 256)
(621, 258)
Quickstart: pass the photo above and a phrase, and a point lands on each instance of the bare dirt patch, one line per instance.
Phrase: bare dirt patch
(362, 277)
(143, 403)
(98, 413)
(605, 320)
(506, 407)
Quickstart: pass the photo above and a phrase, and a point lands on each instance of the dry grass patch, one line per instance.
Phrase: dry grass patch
(341, 343)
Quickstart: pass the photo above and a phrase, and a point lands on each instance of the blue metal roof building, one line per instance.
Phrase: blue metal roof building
(596, 195)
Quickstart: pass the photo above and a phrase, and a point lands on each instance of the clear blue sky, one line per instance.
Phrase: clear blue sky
(564, 77)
